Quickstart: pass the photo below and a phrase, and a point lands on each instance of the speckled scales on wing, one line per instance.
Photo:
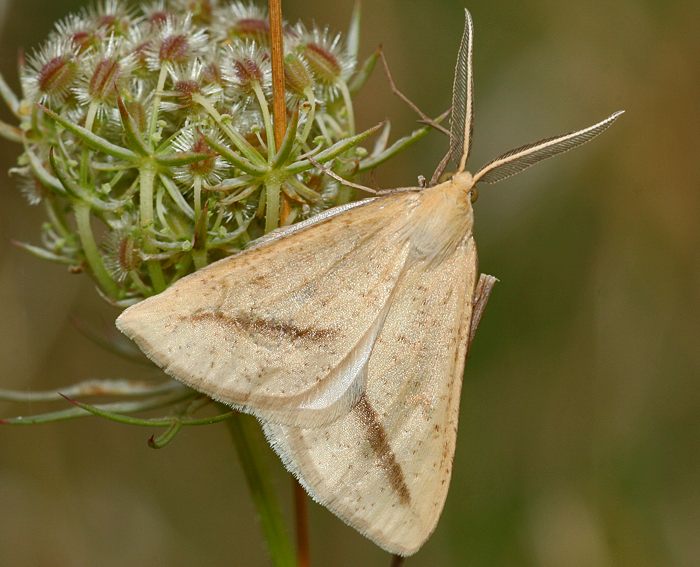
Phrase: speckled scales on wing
(283, 330)
(385, 467)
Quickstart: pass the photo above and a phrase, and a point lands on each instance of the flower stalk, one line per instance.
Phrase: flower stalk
(249, 443)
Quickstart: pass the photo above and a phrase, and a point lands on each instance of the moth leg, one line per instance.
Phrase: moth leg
(481, 298)
(435, 123)
(440, 169)
(332, 174)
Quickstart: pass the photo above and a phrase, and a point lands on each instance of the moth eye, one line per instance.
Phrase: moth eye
(473, 194)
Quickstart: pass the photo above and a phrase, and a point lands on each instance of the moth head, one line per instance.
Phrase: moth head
(465, 181)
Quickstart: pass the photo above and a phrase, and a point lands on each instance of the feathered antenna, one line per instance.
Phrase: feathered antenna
(521, 158)
(462, 116)
(461, 122)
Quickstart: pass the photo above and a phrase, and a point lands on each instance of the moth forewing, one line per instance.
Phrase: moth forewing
(283, 330)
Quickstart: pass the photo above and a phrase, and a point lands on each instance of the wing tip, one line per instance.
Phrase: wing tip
(126, 322)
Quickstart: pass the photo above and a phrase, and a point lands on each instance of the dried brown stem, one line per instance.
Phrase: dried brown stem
(279, 106)
(301, 518)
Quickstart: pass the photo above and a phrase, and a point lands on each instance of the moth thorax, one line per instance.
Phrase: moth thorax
(443, 220)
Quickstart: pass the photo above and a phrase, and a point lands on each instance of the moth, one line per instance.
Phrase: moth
(346, 336)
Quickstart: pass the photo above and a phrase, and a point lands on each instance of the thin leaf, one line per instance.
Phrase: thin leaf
(44, 254)
(239, 161)
(78, 191)
(11, 133)
(9, 96)
(215, 242)
(133, 136)
(176, 159)
(165, 438)
(382, 140)
(359, 79)
(304, 191)
(231, 184)
(176, 196)
(333, 151)
(353, 36)
(117, 407)
(165, 421)
(224, 123)
(242, 195)
(398, 146)
(42, 174)
(289, 191)
(288, 141)
(91, 139)
(113, 387)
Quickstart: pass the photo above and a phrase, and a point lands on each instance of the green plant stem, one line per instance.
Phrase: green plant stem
(91, 251)
(199, 252)
(272, 211)
(310, 116)
(267, 120)
(249, 443)
(155, 271)
(89, 123)
(197, 197)
(347, 99)
(156, 102)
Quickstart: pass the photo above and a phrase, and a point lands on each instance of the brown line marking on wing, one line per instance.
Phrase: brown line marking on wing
(380, 444)
(268, 327)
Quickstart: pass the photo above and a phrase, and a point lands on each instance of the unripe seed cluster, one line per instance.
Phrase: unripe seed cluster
(148, 137)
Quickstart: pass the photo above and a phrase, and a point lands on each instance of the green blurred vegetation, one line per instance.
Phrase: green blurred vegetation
(579, 435)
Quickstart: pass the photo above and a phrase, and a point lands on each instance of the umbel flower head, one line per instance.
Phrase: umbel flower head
(147, 135)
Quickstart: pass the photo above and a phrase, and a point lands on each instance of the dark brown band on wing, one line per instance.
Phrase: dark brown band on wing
(262, 326)
(379, 442)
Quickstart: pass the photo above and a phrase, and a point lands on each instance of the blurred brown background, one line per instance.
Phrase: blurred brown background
(579, 438)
